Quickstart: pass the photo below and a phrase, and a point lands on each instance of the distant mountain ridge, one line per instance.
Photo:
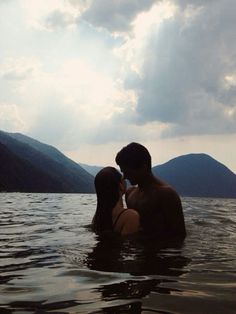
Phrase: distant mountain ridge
(18, 175)
(31, 166)
(46, 158)
(198, 175)
(93, 170)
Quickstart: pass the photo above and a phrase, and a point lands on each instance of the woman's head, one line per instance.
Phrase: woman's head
(108, 186)
(107, 181)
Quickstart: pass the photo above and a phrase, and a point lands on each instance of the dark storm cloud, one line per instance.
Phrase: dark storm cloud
(188, 76)
(58, 19)
(114, 15)
(183, 80)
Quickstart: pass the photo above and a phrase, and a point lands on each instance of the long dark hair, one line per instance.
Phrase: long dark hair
(106, 183)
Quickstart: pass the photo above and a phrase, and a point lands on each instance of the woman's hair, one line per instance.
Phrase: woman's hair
(106, 183)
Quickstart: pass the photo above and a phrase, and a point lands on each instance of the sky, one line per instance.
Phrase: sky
(90, 76)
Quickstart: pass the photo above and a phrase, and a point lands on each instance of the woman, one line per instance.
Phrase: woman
(110, 214)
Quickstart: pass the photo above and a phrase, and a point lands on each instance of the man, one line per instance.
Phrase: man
(158, 204)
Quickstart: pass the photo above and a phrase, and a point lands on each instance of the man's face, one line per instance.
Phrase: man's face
(130, 174)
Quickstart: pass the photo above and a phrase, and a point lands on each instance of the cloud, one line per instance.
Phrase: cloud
(67, 105)
(195, 3)
(10, 117)
(48, 15)
(19, 68)
(59, 19)
(172, 72)
(187, 77)
(2, 2)
(18, 76)
(113, 15)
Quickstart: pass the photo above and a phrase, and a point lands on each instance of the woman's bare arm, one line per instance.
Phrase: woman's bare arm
(132, 222)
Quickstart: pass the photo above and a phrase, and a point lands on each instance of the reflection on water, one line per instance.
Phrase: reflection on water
(138, 256)
(50, 262)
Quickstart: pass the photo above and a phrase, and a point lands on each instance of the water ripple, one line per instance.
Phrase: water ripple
(50, 262)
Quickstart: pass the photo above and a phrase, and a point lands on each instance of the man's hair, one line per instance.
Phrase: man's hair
(134, 156)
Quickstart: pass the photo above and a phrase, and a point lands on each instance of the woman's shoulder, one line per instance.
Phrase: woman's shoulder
(131, 222)
(131, 213)
(127, 214)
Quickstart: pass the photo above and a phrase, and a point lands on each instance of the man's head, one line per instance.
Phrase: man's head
(134, 161)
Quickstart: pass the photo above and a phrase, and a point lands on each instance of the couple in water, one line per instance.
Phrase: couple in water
(153, 207)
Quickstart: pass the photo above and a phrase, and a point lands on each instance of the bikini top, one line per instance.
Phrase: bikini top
(117, 218)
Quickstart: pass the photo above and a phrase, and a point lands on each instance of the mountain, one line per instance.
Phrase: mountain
(198, 175)
(18, 175)
(93, 170)
(72, 177)
(31, 166)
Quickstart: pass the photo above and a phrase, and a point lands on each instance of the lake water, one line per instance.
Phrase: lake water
(50, 262)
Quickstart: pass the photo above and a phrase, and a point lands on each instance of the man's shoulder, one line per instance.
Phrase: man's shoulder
(167, 197)
(168, 191)
(164, 190)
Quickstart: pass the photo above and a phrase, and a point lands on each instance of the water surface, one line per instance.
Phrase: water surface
(50, 261)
